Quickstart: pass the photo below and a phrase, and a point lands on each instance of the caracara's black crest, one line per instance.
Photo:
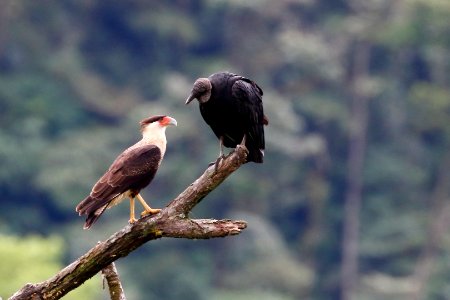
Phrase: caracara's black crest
(232, 105)
(149, 120)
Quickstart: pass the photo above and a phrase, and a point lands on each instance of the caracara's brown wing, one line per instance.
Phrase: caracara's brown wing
(133, 170)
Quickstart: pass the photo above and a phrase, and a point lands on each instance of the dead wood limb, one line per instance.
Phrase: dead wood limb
(111, 276)
(172, 221)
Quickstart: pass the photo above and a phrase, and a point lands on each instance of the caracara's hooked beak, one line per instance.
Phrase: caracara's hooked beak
(190, 98)
(169, 121)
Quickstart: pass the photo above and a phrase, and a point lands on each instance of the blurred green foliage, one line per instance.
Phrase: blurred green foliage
(34, 259)
(77, 76)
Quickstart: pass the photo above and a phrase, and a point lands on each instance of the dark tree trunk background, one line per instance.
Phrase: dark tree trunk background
(439, 222)
(357, 150)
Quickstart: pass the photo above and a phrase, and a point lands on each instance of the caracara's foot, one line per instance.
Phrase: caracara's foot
(151, 211)
(132, 220)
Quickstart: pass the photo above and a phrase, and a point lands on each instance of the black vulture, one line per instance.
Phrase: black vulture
(232, 106)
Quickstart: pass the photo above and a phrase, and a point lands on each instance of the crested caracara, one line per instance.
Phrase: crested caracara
(132, 171)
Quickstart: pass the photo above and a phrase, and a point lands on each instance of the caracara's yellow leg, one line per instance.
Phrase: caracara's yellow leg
(132, 218)
(148, 210)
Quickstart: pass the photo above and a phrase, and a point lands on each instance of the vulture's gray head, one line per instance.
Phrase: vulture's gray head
(200, 91)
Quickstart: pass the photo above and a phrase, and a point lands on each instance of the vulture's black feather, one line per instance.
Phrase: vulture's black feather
(232, 106)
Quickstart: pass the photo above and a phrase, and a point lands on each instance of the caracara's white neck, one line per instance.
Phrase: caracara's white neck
(155, 134)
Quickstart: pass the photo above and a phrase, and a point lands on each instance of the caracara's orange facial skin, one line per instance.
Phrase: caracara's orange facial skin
(166, 121)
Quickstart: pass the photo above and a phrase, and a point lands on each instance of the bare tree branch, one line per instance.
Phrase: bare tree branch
(114, 285)
(172, 221)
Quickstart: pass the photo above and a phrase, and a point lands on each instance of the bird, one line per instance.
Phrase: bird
(130, 172)
(232, 106)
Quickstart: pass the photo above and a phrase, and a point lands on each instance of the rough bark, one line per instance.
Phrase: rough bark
(172, 221)
(111, 276)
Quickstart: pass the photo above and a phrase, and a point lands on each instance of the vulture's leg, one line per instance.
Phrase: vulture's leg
(221, 156)
(147, 209)
(132, 218)
(244, 140)
(221, 147)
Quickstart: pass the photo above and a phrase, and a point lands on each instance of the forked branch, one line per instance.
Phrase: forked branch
(172, 221)
(111, 277)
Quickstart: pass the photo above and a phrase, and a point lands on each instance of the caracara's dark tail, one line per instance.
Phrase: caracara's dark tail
(90, 208)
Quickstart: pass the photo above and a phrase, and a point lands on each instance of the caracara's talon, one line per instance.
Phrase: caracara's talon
(132, 220)
(152, 211)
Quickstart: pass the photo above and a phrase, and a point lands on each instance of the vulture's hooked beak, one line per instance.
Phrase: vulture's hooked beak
(190, 98)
